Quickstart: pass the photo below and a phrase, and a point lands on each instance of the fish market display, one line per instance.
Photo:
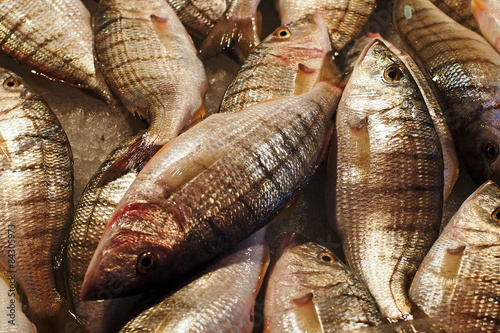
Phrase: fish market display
(389, 177)
(36, 197)
(458, 10)
(487, 14)
(465, 69)
(199, 16)
(13, 319)
(457, 283)
(53, 38)
(236, 31)
(221, 299)
(167, 48)
(311, 290)
(344, 18)
(285, 64)
(211, 187)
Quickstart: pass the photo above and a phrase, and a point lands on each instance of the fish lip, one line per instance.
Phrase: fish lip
(366, 49)
(323, 30)
(290, 240)
(88, 291)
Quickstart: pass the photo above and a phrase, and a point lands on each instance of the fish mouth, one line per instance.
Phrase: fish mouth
(89, 290)
(366, 49)
(290, 240)
(323, 30)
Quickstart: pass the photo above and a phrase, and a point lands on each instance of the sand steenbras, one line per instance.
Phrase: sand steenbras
(389, 177)
(457, 283)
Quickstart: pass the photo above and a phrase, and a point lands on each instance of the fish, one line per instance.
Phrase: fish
(168, 107)
(465, 69)
(457, 283)
(199, 16)
(345, 19)
(285, 64)
(13, 318)
(458, 10)
(389, 178)
(237, 31)
(36, 198)
(53, 38)
(219, 299)
(311, 290)
(487, 15)
(213, 186)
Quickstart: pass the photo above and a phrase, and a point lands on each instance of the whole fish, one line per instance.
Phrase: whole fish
(458, 10)
(211, 187)
(285, 64)
(457, 283)
(389, 177)
(236, 31)
(199, 16)
(465, 69)
(139, 40)
(311, 290)
(220, 299)
(487, 14)
(13, 319)
(344, 18)
(54, 38)
(36, 197)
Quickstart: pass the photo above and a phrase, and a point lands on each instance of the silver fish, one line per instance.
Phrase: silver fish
(457, 283)
(389, 177)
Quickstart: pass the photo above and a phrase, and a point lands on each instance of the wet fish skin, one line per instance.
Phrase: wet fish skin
(465, 69)
(54, 38)
(487, 15)
(458, 10)
(199, 16)
(311, 290)
(456, 284)
(211, 187)
(279, 65)
(344, 18)
(36, 196)
(389, 178)
(418, 325)
(237, 31)
(220, 299)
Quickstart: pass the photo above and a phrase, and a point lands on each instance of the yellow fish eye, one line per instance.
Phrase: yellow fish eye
(283, 33)
(392, 73)
(11, 83)
(496, 215)
(325, 257)
(146, 262)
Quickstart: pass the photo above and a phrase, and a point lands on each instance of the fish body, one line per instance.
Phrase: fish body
(54, 38)
(487, 14)
(236, 31)
(286, 62)
(344, 18)
(210, 188)
(220, 299)
(199, 16)
(311, 290)
(465, 69)
(458, 10)
(389, 177)
(456, 284)
(417, 325)
(36, 196)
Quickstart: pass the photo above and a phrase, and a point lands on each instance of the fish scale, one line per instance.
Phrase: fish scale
(465, 69)
(54, 38)
(458, 10)
(389, 178)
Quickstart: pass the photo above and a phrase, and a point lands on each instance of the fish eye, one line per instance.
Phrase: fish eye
(496, 215)
(392, 73)
(490, 150)
(283, 33)
(11, 83)
(146, 262)
(325, 257)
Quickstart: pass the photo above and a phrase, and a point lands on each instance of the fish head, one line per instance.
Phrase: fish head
(13, 91)
(139, 249)
(304, 39)
(481, 155)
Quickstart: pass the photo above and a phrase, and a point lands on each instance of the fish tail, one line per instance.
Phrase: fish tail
(238, 36)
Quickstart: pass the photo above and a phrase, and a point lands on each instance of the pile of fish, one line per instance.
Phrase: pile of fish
(177, 227)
